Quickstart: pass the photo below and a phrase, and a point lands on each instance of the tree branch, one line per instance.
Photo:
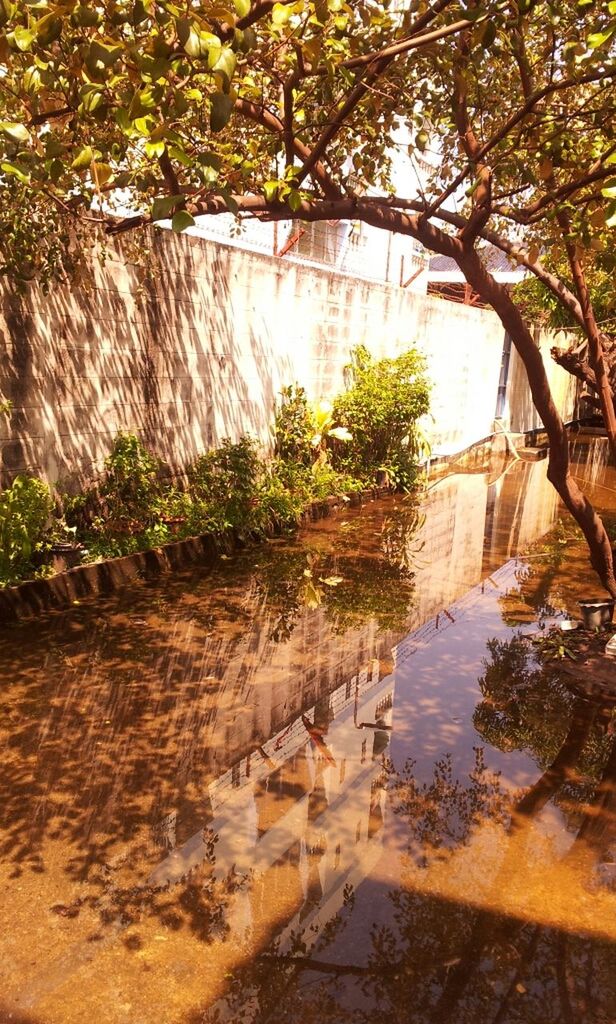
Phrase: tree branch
(273, 124)
(375, 69)
(571, 362)
(512, 123)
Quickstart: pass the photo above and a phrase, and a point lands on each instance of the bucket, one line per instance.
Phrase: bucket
(596, 613)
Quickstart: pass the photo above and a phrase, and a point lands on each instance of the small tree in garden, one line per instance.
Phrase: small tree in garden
(263, 108)
(381, 407)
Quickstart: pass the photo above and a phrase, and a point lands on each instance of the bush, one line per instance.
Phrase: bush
(131, 486)
(294, 428)
(380, 409)
(25, 508)
(280, 506)
(226, 481)
(321, 451)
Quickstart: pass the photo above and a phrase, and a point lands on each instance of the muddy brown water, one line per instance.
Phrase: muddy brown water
(324, 781)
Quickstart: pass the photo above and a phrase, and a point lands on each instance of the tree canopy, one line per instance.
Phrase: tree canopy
(279, 109)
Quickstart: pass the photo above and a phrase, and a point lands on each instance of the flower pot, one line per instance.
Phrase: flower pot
(65, 555)
(597, 612)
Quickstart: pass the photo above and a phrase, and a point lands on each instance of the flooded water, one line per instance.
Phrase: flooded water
(326, 781)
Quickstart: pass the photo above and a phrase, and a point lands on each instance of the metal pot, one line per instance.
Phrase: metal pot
(65, 555)
(597, 612)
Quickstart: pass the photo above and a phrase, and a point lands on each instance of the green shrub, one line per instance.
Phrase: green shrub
(294, 428)
(226, 481)
(380, 409)
(327, 482)
(130, 488)
(280, 506)
(25, 508)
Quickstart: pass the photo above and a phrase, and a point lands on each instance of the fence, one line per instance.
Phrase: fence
(348, 247)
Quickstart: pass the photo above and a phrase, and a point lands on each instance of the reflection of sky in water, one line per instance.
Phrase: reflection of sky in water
(437, 692)
(219, 742)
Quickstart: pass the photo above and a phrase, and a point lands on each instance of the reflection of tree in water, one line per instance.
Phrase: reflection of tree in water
(369, 582)
(441, 814)
(528, 706)
(439, 960)
(539, 579)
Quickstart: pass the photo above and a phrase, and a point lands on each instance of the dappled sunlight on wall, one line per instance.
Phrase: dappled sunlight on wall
(200, 349)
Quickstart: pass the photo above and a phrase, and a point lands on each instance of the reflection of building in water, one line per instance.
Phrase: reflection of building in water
(301, 814)
(262, 687)
(521, 506)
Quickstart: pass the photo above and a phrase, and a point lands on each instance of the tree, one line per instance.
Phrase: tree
(186, 110)
(541, 306)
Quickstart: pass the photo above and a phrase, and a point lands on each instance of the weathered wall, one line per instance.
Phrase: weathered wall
(520, 412)
(202, 353)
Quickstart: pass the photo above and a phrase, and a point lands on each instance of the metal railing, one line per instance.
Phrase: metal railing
(346, 247)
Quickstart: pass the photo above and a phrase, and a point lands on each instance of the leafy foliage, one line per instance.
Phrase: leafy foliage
(186, 110)
(540, 305)
(227, 481)
(130, 484)
(134, 508)
(294, 427)
(380, 409)
(25, 508)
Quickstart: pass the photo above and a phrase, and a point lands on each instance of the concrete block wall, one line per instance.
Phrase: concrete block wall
(202, 350)
(521, 414)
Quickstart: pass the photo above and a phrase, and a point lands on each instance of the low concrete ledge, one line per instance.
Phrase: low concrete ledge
(35, 597)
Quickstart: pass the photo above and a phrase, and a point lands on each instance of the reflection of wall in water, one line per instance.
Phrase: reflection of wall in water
(523, 506)
(452, 537)
(302, 818)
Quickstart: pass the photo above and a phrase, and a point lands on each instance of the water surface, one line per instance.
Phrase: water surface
(324, 781)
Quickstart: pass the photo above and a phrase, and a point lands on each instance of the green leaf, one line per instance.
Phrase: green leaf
(91, 99)
(609, 190)
(225, 63)
(242, 7)
(196, 42)
(48, 29)
(24, 37)
(7, 11)
(16, 172)
(280, 14)
(154, 149)
(32, 81)
(101, 173)
(294, 199)
(83, 159)
(14, 130)
(220, 111)
(270, 190)
(596, 39)
(104, 53)
(165, 205)
(142, 101)
(86, 17)
(182, 220)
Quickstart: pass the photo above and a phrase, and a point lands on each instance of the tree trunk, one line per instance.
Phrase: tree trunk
(558, 464)
(595, 344)
(579, 366)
